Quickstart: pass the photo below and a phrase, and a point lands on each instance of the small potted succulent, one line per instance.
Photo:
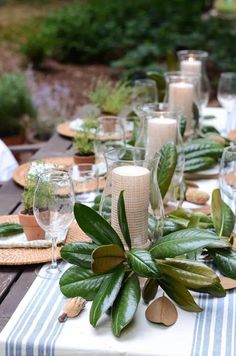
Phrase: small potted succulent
(83, 147)
(110, 98)
(26, 217)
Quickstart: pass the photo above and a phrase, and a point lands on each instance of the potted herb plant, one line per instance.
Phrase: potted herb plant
(26, 217)
(15, 103)
(83, 147)
(110, 98)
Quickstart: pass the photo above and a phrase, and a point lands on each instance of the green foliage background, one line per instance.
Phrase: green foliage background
(130, 34)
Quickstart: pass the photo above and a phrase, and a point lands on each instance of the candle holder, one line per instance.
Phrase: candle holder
(194, 62)
(128, 170)
(159, 127)
(182, 96)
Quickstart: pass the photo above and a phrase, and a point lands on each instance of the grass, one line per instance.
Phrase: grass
(19, 18)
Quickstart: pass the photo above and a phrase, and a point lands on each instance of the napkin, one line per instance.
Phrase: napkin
(20, 240)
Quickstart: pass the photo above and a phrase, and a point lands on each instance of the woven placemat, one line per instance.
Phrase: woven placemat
(20, 174)
(65, 130)
(27, 256)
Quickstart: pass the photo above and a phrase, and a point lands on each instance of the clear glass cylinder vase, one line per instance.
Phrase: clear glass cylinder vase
(128, 170)
(194, 62)
(159, 127)
(182, 96)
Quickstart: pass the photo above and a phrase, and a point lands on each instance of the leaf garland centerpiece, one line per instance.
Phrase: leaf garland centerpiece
(107, 272)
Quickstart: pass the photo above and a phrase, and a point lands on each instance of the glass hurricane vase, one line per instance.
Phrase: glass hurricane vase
(128, 170)
(159, 127)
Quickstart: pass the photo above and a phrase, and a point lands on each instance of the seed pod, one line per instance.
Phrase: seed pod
(197, 196)
(72, 308)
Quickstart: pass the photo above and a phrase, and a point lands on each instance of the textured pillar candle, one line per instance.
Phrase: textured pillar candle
(135, 181)
(159, 131)
(191, 65)
(181, 98)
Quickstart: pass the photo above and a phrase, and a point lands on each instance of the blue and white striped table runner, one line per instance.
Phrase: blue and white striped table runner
(34, 329)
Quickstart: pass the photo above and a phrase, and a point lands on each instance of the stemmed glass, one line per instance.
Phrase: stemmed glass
(144, 92)
(227, 177)
(110, 133)
(53, 209)
(226, 96)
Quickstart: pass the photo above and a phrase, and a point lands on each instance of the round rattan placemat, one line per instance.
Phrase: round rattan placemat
(20, 173)
(27, 256)
(65, 130)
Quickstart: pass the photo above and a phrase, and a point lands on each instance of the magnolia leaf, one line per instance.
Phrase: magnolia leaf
(166, 167)
(95, 226)
(125, 305)
(83, 282)
(162, 311)
(222, 216)
(192, 275)
(216, 290)
(123, 219)
(106, 295)
(149, 290)
(142, 263)
(228, 283)
(78, 253)
(180, 294)
(185, 241)
(107, 257)
(226, 262)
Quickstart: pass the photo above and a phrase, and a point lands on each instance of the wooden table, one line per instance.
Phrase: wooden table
(16, 280)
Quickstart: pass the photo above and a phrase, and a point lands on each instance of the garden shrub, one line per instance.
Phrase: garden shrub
(132, 33)
(15, 101)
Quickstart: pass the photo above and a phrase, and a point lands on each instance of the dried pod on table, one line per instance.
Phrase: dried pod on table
(162, 311)
(72, 308)
(196, 196)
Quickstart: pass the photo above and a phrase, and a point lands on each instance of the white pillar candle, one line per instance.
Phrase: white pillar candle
(181, 99)
(135, 181)
(191, 65)
(159, 131)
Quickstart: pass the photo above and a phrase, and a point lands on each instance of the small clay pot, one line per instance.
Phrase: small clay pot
(31, 228)
(108, 123)
(84, 159)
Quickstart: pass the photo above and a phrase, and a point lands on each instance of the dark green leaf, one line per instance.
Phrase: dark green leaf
(222, 216)
(106, 295)
(78, 253)
(77, 281)
(123, 219)
(226, 262)
(185, 241)
(125, 305)
(191, 274)
(216, 290)
(142, 263)
(166, 167)
(97, 228)
(150, 290)
(179, 294)
(107, 257)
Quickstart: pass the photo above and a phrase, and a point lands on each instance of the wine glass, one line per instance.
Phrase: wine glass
(226, 96)
(144, 92)
(227, 176)
(110, 133)
(53, 205)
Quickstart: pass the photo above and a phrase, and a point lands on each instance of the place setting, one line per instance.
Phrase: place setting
(137, 230)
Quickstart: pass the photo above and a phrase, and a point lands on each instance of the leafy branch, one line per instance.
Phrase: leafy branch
(108, 275)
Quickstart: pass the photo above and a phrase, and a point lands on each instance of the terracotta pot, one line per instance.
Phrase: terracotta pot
(31, 228)
(13, 140)
(84, 159)
(108, 122)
